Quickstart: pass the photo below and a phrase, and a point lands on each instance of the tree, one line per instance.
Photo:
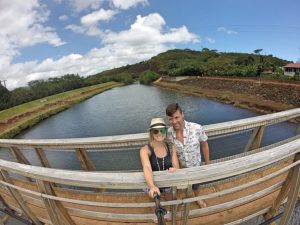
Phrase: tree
(258, 51)
(4, 97)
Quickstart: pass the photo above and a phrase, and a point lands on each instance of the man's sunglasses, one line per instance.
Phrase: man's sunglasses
(162, 131)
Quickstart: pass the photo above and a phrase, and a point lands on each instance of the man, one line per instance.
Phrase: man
(189, 138)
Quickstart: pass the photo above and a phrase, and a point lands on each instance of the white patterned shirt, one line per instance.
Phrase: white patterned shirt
(189, 151)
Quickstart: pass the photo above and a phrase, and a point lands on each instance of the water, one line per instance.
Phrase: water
(128, 110)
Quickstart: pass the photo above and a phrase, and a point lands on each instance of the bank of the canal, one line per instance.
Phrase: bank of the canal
(260, 96)
(16, 119)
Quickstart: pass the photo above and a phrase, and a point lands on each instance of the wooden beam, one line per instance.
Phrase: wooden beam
(56, 211)
(19, 199)
(293, 194)
(255, 139)
(20, 158)
(174, 207)
(85, 161)
(186, 207)
(283, 192)
(42, 156)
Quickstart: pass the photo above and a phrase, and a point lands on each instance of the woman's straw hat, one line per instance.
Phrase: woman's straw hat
(157, 123)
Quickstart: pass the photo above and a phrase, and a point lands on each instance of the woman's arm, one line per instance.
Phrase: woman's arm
(144, 155)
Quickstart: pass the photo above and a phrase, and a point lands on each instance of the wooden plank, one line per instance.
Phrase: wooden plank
(293, 195)
(42, 156)
(283, 192)
(186, 206)
(19, 199)
(18, 155)
(85, 162)
(57, 213)
(258, 138)
(174, 207)
(255, 139)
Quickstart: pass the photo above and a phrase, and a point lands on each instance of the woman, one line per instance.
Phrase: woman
(157, 155)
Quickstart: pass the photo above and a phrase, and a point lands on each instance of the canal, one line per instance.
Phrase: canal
(128, 110)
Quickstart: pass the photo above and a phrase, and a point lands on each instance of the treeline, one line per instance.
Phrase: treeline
(207, 62)
(42, 88)
(213, 63)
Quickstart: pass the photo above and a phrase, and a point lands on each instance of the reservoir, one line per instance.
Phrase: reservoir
(128, 110)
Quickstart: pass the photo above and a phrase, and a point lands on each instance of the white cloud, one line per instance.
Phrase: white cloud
(22, 26)
(99, 15)
(145, 38)
(80, 5)
(63, 18)
(126, 4)
(89, 22)
(211, 40)
(227, 31)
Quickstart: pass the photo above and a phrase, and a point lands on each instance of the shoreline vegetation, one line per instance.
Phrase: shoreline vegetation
(259, 96)
(18, 118)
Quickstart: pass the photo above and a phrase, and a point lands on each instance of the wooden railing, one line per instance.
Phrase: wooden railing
(272, 177)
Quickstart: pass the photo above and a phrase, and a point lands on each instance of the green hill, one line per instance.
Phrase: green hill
(206, 62)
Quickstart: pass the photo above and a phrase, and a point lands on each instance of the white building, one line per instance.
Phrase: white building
(291, 69)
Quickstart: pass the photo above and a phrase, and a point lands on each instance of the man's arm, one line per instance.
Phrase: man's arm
(205, 150)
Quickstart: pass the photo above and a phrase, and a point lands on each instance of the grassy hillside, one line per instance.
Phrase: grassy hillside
(206, 62)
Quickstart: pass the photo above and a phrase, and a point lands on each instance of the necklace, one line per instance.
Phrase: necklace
(163, 161)
(163, 164)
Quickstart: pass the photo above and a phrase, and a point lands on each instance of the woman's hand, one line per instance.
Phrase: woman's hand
(172, 169)
(153, 191)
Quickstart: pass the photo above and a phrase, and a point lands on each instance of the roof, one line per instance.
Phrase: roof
(292, 65)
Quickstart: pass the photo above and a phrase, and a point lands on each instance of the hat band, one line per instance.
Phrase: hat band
(157, 124)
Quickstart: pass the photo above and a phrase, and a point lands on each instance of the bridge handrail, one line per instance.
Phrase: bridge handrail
(135, 180)
(142, 138)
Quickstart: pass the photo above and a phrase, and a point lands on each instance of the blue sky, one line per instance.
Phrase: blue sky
(41, 39)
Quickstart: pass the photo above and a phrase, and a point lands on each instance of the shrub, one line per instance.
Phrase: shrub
(148, 76)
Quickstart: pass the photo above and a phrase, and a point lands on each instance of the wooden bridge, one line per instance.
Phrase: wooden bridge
(236, 188)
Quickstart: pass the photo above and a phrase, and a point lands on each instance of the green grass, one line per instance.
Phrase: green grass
(29, 106)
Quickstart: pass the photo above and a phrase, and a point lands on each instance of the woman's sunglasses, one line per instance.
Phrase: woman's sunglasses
(162, 131)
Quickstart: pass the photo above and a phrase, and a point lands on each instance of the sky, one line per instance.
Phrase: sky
(40, 39)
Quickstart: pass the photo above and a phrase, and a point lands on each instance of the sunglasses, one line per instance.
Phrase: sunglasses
(162, 131)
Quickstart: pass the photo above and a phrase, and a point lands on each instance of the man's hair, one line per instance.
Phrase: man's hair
(172, 108)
